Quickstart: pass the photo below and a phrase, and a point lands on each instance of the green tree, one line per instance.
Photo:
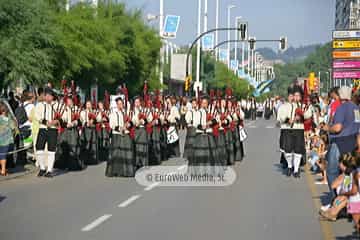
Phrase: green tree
(26, 41)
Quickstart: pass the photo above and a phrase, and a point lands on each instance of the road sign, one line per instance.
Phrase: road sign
(347, 74)
(346, 44)
(171, 26)
(223, 55)
(346, 54)
(347, 64)
(346, 34)
(208, 42)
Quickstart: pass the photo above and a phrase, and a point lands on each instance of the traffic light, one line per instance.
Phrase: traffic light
(283, 44)
(187, 83)
(243, 30)
(252, 42)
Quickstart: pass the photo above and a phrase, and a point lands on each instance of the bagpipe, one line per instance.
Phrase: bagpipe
(128, 113)
(104, 115)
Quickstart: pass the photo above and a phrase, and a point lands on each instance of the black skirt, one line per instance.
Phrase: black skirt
(103, 141)
(155, 148)
(163, 144)
(267, 113)
(230, 151)
(221, 148)
(238, 151)
(121, 162)
(89, 146)
(68, 151)
(293, 141)
(190, 138)
(206, 159)
(141, 147)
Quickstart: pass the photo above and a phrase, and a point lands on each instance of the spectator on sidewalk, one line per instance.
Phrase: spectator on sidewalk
(343, 131)
(7, 127)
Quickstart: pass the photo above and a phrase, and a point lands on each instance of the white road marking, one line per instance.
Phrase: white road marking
(182, 167)
(96, 223)
(129, 201)
(148, 188)
(270, 127)
(251, 126)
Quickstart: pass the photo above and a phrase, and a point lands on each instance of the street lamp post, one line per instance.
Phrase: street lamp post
(217, 26)
(249, 61)
(236, 38)
(161, 24)
(205, 15)
(198, 52)
(228, 50)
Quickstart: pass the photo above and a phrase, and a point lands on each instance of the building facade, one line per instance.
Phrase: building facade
(347, 14)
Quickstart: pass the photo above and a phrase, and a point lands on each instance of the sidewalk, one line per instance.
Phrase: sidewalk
(19, 171)
(342, 228)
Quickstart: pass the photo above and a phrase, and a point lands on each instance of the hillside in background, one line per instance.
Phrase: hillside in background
(290, 55)
(318, 61)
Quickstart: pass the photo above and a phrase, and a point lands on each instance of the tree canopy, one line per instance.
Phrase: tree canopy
(108, 45)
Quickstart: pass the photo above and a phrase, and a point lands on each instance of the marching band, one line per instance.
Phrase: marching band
(138, 134)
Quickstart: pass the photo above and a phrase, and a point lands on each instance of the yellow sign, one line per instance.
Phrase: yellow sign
(346, 44)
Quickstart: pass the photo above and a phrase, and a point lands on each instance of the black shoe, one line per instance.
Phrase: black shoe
(289, 172)
(41, 173)
(49, 175)
(297, 175)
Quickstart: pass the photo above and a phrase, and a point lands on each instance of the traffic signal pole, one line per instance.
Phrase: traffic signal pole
(198, 38)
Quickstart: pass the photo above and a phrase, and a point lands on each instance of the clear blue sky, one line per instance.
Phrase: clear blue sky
(302, 21)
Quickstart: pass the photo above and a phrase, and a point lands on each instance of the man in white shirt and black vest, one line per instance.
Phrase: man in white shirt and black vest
(47, 114)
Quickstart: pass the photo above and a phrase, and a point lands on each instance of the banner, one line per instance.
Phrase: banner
(208, 42)
(223, 55)
(171, 26)
(352, 74)
(347, 64)
(346, 44)
(346, 54)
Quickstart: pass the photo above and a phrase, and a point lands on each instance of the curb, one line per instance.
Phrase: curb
(30, 169)
(326, 227)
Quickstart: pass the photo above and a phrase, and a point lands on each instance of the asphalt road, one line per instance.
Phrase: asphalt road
(261, 204)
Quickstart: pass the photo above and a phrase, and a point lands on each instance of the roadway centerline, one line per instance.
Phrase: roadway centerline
(96, 223)
(129, 201)
(150, 187)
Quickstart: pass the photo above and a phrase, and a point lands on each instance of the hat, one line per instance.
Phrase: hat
(49, 91)
(298, 89)
(290, 90)
(345, 93)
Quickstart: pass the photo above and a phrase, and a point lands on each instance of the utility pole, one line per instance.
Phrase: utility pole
(67, 5)
(249, 61)
(236, 38)
(228, 23)
(217, 26)
(161, 24)
(206, 16)
(198, 52)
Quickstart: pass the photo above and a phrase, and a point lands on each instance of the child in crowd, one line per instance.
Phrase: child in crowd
(319, 144)
(344, 187)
